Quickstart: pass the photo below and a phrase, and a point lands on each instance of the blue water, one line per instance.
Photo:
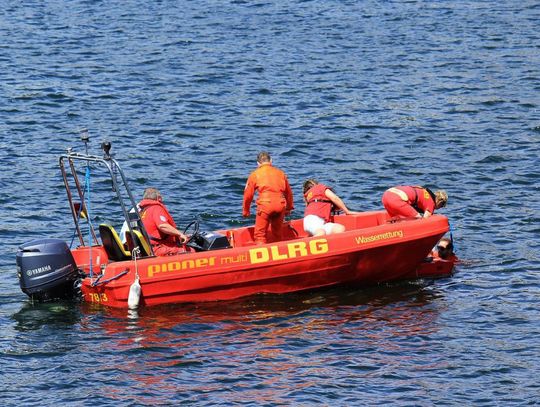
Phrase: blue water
(362, 95)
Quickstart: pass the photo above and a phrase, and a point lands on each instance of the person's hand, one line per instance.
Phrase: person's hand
(352, 213)
(246, 214)
(183, 238)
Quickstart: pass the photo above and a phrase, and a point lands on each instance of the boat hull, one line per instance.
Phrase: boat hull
(371, 251)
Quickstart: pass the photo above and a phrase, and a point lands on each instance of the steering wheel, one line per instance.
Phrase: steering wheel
(195, 225)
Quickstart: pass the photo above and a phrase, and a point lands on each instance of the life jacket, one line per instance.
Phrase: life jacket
(414, 203)
(317, 203)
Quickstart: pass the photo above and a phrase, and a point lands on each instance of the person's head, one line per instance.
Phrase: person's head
(310, 183)
(441, 198)
(264, 157)
(445, 248)
(152, 194)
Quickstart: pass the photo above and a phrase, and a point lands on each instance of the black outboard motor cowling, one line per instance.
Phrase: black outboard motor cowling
(47, 270)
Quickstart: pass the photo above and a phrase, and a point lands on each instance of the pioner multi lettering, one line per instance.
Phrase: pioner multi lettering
(187, 264)
(254, 256)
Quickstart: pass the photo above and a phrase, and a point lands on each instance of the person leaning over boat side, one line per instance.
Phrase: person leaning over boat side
(165, 238)
(413, 201)
(320, 201)
(275, 198)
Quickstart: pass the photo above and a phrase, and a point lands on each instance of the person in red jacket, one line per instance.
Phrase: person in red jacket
(413, 201)
(275, 199)
(320, 202)
(165, 238)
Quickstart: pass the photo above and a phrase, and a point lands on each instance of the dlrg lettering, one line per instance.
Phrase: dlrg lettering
(290, 251)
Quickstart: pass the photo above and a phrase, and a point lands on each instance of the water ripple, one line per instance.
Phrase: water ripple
(361, 95)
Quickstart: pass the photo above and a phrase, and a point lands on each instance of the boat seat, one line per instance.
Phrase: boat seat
(137, 239)
(112, 243)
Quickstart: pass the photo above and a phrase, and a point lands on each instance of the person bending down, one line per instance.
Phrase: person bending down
(405, 201)
(320, 202)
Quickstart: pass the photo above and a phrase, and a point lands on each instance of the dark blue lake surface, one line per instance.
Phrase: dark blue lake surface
(362, 95)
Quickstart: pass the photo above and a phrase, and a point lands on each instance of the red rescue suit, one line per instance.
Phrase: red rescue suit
(274, 201)
(153, 214)
(408, 201)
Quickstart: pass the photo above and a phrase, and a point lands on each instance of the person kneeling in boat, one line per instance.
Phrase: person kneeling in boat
(413, 201)
(320, 202)
(165, 238)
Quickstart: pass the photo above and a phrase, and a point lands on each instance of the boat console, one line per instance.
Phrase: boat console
(209, 241)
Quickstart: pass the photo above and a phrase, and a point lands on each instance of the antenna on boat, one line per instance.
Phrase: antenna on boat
(85, 138)
(106, 147)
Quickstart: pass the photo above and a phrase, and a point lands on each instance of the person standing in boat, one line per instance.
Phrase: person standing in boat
(275, 199)
(413, 201)
(320, 202)
(165, 238)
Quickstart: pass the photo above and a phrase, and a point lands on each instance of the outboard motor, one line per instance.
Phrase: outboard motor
(47, 270)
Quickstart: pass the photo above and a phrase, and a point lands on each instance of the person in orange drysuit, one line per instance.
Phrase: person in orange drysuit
(413, 201)
(275, 198)
(165, 238)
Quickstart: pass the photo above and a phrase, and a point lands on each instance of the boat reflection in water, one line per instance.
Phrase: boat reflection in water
(267, 341)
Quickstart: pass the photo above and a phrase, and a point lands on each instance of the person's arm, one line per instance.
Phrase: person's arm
(336, 200)
(249, 191)
(168, 229)
(429, 208)
(288, 196)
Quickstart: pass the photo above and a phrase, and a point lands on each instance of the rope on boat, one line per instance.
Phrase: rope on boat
(87, 182)
(99, 282)
(136, 253)
(452, 236)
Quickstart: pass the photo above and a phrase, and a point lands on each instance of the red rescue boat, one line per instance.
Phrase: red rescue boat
(226, 264)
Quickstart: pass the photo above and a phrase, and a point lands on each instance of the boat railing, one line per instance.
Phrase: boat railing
(82, 208)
